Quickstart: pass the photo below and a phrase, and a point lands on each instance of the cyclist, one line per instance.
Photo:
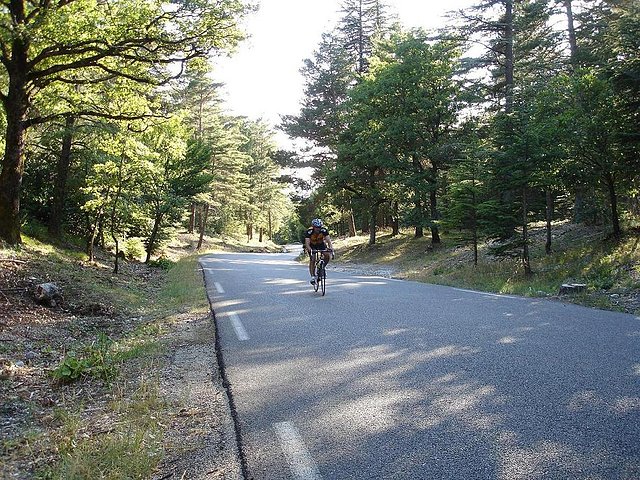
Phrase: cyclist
(317, 238)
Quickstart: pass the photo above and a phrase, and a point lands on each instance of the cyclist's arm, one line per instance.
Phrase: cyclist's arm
(327, 240)
(307, 244)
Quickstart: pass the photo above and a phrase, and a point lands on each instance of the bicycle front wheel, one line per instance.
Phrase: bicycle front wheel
(317, 284)
(322, 280)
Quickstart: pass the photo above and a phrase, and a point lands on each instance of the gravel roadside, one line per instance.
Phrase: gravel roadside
(201, 442)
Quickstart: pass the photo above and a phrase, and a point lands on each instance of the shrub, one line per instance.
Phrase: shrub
(133, 248)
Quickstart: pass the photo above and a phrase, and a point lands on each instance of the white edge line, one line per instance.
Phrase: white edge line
(499, 295)
(238, 327)
(301, 463)
(218, 287)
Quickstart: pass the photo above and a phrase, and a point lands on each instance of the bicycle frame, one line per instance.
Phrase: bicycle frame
(319, 272)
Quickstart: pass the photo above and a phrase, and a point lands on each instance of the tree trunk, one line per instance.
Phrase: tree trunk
(525, 234)
(16, 105)
(549, 215)
(613, 201)
(113, 226)
(509, 58)
(60, 182)
(192, 218)
(417, 198)
(157, 221)
(351, 219)
(419, 233)
(116, 263)
(573, 44)
(352, 224)
(373, 215)
(395, 220)
(435, 232)
(270, 226)
(260, 234)
(91, 240)
(474, 227)
(203, 225)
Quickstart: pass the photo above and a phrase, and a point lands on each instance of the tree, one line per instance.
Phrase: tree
(363, 162)
(468, 200)
(416, 103)
(115, 186)
(78, 41)
(328, 77)
(265, 199)
(361, 23)
(173, 179)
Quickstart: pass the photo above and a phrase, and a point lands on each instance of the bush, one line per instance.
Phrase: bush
(133, 248)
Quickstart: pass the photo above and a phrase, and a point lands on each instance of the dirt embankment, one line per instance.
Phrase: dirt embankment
(42, 419)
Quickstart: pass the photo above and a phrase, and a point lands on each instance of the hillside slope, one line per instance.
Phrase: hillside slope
(611, 270)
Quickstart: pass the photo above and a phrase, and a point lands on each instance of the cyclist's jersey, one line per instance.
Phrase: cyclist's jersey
(317, 239)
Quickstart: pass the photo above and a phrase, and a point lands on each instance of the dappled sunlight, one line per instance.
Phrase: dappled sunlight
(395, 331)
(365, 356)
(447, 351)
(371, 280)
(538, 460)
(623, 405)
(583, 400)
(524, 329)
(636, 369)
(210, 269)
(258, 259)
(460, 403)
(368, 414)
(227, 303)
(269, 377)
(508, 340)
(591, 400)
(284, 281)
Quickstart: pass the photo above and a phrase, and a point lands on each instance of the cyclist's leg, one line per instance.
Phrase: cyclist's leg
(327, 256)
(312, 264)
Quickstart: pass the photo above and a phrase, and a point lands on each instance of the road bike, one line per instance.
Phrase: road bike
(320, 272)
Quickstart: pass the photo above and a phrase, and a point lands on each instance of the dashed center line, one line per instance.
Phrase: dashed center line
(218, 287)
(301, 463)
(238, 327)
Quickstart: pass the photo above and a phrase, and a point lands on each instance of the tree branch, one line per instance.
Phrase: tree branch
(89, 113)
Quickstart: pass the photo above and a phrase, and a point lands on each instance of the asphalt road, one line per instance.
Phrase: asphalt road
(386, 379)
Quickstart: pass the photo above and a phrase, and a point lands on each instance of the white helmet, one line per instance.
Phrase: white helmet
(316, 222)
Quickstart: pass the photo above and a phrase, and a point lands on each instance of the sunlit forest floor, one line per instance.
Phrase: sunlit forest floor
(580, 254)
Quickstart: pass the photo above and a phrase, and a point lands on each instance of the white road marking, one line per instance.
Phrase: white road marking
(300, 461)
(238, 327)
(499, 295)
(218, 287)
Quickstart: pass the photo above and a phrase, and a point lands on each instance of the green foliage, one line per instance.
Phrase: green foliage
(96, 360)
(71, 368)
(162, 262)
(133, 248)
